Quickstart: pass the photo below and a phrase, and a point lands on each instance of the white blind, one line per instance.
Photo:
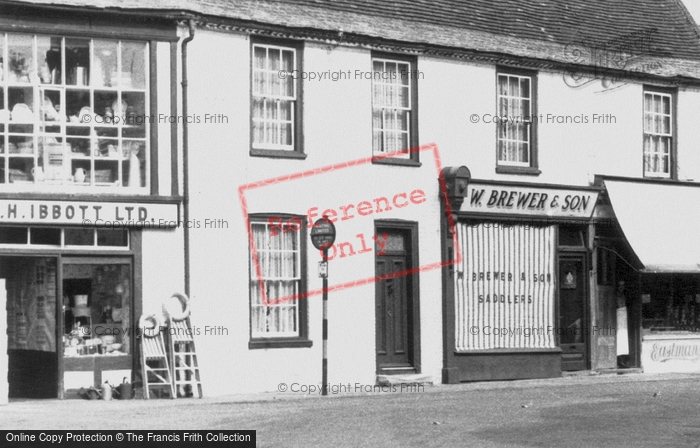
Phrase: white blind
(504, 287)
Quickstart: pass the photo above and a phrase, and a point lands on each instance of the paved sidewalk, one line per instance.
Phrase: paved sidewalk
(635, 410)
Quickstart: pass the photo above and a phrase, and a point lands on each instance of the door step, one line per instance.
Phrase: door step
(603, 372)
(408, 378)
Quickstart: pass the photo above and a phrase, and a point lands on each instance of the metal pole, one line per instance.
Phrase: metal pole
(324, 375)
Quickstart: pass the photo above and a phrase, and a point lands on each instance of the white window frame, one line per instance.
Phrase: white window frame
(267, 71)
(378, 81)
(657, 137)
(510, 125)
(260, 252)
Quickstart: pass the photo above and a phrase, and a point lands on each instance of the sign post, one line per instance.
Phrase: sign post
(322, 237)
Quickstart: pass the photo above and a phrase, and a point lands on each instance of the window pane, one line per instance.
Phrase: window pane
(79, 237)
(21, 60)
(133, 72)
(49, 58)
(404, 97)
(513, 89)
(13, 235)
(40, 235)
(666, 105)
(104, 64)
(113, 237)
(77, 62)
(502, 85)
(288, 66)
(525, 87)
(666, 125)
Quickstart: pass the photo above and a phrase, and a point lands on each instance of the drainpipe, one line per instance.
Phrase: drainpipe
(185, 159)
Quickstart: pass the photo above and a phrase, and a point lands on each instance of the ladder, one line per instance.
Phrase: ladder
(183, 358)
(154, 362)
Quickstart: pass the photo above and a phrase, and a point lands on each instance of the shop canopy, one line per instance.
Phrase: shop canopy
(661, 223)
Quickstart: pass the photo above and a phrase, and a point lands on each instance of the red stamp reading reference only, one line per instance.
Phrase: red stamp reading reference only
(372, 207)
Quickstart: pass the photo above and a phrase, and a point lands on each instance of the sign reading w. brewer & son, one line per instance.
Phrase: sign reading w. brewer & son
(88, 214)
(530, 201)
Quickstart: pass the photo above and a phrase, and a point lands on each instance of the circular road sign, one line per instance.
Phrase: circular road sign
(322, 233)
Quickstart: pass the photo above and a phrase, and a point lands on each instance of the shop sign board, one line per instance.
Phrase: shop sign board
(670, 355)
(529, 201)
(89, 213)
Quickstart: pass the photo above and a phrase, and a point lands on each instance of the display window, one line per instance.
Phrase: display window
(670, 303)
(73, 113)
(96, 307)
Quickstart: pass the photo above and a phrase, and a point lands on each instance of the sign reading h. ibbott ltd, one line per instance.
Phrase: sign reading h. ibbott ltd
(87, 214)
(530, 201)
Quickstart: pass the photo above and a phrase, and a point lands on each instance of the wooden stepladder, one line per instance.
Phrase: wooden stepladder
(154, 359)
(183, 355)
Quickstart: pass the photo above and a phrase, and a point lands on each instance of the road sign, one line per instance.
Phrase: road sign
(323, 269)
(322, 233)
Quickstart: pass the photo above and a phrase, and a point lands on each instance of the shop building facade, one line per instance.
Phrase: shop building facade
(79, 168)
(491, 250)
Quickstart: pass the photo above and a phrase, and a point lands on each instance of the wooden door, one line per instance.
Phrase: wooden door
(393, 302)
(573, 334)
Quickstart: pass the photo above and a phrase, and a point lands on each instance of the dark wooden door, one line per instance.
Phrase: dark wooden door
(573, 332)
(392, 312)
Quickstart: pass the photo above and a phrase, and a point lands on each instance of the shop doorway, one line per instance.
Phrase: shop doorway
(68, 323)
(31, 326)
(573, 322)
(396, 298)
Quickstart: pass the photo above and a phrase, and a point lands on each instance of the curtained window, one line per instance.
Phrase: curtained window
(393, 108)
(275, 280)
(516, 116)
(275, 99)
(658, 134)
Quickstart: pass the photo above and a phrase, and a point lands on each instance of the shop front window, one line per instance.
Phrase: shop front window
(97, 308)
(74, 113)
(671, 303)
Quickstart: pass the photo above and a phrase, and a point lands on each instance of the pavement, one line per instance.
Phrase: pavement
(588, 410)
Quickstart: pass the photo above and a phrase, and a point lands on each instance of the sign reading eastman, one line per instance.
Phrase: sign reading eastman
(670, 354)
(531, 201)
(87, 214)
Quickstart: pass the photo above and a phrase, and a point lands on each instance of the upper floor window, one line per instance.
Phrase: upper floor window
(74, 113)
(276, 114)
(516, 95)
(277, 282)
(658, 134)
(394, 111)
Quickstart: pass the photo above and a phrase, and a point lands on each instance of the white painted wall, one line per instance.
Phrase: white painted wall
(337, 128)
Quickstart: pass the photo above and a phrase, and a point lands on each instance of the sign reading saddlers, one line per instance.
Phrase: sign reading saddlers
(530, 201)
(88, 214)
